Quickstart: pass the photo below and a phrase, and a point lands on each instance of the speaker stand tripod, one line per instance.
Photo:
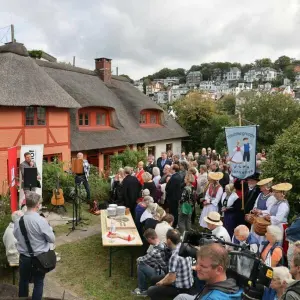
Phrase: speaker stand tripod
(76, 218)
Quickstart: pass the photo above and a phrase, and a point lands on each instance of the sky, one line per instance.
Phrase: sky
(144, 36)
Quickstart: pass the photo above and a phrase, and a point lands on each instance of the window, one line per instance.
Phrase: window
(41, 115)
(101, 119)
(35, 116)
(84, 119)
(143, 119)
(153, 118)
(29, 112)
(52, 158)
(94, 118)
(150, 117)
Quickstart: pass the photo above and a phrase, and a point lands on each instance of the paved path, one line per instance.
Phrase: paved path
(52, 288)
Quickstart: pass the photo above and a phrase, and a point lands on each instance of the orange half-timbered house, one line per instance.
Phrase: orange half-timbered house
(70, 109)
(33, 108)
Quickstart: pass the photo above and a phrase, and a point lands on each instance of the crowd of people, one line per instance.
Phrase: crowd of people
(166, 194)
(165, 197)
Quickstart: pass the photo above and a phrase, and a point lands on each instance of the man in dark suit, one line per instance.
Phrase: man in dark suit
(162, 161)
(173, 193)
(252, 193)
(131, 190)
(150, 164)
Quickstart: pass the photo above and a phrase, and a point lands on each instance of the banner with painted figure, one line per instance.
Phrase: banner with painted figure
(12, 178)
(36, 153)
(241, 144)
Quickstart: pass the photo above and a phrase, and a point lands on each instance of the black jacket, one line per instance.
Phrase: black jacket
(173, 190)
(131, 191)
(149, 168)
(167, 162)
(250, 198)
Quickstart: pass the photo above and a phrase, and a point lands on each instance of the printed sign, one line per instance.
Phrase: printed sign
(241, 144)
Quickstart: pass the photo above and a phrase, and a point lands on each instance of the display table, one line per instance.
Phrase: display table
(118, 244)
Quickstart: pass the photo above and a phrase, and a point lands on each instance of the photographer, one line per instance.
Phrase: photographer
(212, 263)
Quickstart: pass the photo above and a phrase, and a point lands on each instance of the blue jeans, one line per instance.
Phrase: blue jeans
(144, 274)
(27, 272)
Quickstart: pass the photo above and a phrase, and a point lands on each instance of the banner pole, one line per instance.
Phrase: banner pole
(243, 200)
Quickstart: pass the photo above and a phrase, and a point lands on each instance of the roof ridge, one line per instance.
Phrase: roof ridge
(64, 67)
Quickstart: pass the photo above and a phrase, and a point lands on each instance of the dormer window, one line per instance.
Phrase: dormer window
(150, 118)
(94, 118)
(84, 119)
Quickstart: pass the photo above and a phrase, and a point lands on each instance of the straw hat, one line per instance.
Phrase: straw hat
(215, 175)
(282, 187)
(214, 218)
(265, 181)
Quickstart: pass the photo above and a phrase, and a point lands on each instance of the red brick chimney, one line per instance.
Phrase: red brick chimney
(103, 66)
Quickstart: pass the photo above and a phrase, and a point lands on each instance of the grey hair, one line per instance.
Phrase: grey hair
(148, 200)
(32, 199)
(127, 170)
(276, 232)
(241, 230)
(283, 274)
(146, 176)
(156, 171)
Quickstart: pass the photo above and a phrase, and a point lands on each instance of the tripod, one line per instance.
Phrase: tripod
(76, 207)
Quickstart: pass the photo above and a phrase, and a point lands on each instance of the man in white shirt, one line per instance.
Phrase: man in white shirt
(214, 223)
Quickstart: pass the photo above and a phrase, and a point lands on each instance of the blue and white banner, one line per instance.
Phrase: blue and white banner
(241, 144)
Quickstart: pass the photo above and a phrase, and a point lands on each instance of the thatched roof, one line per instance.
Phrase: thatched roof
(24, 83)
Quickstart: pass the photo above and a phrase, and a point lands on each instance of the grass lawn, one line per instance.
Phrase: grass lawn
(90, 219)
(84, 269)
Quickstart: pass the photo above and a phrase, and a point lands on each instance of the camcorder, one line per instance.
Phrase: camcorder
(245, 267)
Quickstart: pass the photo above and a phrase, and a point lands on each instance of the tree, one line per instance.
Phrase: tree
(197, 113)
(272, 112)
(124, 75)
(282, 62)
(283, 163)
(264, 63)
(227, 104)
(289, 72)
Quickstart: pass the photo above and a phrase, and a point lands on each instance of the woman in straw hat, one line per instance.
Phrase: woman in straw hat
(279, 211)
(212, 197)
(263, 203)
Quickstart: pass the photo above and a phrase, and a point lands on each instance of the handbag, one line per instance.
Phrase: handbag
(44, 262)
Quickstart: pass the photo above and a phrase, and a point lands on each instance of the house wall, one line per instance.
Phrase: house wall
(55, 135)
(161, 146)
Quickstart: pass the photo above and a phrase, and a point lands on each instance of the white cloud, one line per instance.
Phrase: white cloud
(144, 36)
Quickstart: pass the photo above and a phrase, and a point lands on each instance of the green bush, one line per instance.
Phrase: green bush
(5, 217)
(283, 163)
(99, 186)
(127, 158)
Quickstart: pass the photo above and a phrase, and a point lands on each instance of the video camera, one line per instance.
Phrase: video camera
(245, 267)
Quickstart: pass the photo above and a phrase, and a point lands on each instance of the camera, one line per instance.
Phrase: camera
(245, 267)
